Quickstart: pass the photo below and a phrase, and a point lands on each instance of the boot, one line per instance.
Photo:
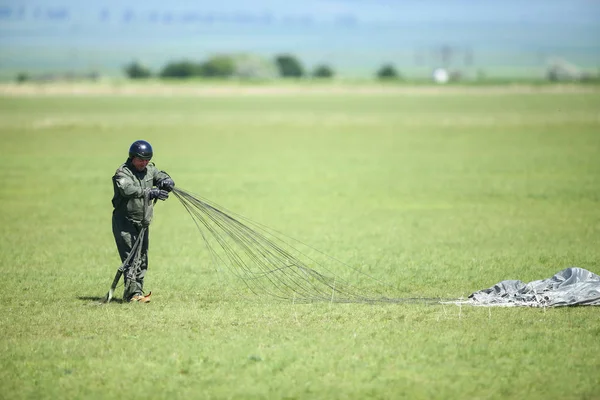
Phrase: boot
(138, 298)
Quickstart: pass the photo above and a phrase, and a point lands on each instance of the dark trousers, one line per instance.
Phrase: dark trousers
(126, 233)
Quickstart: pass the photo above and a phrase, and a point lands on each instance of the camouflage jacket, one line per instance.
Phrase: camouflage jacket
(131, 188)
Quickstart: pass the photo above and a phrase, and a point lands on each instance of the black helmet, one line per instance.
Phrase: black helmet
(141, 149)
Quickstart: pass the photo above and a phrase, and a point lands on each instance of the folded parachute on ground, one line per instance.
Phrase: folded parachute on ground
(569, 287)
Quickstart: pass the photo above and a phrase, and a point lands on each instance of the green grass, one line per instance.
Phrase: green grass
(437, 195)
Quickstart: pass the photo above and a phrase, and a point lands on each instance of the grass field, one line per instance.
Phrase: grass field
(438, 194)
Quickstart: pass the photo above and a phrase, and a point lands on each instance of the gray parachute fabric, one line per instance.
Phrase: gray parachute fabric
(569, 287)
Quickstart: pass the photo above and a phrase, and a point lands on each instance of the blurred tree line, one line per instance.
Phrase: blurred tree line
(244, 66)
(249, 66)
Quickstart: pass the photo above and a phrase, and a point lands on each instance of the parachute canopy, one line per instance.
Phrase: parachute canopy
(569, 287)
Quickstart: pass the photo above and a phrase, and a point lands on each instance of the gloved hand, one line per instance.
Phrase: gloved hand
(156, 193)
(166, 184)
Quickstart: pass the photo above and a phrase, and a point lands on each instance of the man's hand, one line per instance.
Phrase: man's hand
(166, 184)
(156, 193)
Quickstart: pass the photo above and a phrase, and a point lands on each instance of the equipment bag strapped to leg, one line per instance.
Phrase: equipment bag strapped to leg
(133, 260)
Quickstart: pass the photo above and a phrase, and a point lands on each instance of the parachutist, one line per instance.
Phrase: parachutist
(137, 185)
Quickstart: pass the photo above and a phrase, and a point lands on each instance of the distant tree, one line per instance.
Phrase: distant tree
(218, 66)
(135, 70)
(23, 77)
(323, 71)
(456, 76)
(387, 71)
(181, 69)
(289, 66)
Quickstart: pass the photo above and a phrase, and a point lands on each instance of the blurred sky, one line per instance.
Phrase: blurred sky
(351, 34)
(577, 11)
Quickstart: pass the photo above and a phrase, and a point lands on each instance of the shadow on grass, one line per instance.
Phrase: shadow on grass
(100, 299)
